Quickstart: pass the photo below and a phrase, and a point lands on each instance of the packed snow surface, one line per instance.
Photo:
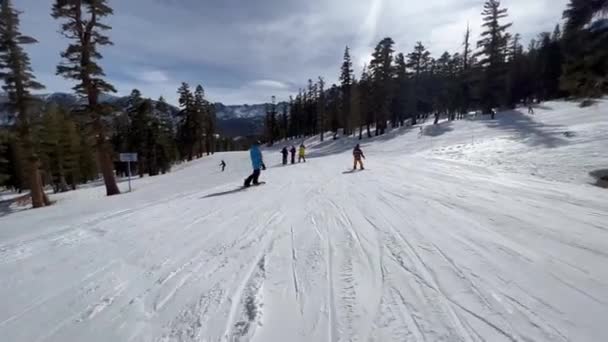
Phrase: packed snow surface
(475, 230)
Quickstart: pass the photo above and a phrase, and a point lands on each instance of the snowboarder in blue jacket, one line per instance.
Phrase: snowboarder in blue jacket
(257, 162)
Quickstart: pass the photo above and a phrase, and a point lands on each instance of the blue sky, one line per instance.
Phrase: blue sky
(246, 51)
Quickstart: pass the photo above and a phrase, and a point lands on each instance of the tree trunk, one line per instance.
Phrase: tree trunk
(63, 184)
(34, 179)
(35, 185)
(107, 170)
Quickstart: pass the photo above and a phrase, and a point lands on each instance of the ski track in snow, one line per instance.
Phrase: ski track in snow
(433, 243)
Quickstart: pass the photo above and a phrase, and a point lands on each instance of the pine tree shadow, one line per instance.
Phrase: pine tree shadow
(529, 131)
(438, 129)
(5, 207)
(602, 178)
(342, 144)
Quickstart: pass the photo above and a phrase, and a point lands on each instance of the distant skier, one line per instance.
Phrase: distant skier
(530, 110)
(302, 154)
(293, 154)
(358, 156)
(223, 165)
(257, 162)
(285, 154)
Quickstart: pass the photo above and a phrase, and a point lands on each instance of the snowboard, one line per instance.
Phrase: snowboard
(348, 172)
(253, 185)
(233, 191)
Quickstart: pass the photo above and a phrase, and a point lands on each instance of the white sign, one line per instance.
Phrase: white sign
(128, 157)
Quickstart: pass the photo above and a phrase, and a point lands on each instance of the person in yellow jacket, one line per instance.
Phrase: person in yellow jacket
(302, 154)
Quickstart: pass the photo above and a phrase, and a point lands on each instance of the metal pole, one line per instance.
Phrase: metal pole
(129, 168)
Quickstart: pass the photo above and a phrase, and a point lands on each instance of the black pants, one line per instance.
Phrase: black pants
(285, 159)
(293, 158)
(253, 178)
(223, 168)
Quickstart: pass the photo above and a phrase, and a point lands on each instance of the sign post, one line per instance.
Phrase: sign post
(128, 158)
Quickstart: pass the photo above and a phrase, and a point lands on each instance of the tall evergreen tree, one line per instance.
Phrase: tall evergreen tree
(187, 127)
(82, 25)
(284, 121)
(19, 81)
(59, 148)
(466, 75)
(400, 102)
(322, 117)
(346, 79)
(333, 109)
(419, 62)
(381, 69)
(518, 87)
(201, 121)
(493, 45)
(585, 69)
(311, 108)
(139, 134)
(355, 107)
(271, 123)
(365, 93)
(4, 155)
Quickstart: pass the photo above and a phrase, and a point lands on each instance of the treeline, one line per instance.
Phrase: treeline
(495, 72)
(65, 147)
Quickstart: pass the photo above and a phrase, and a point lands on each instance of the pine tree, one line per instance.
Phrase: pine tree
(71, 145)
(466, 75)
(284, 121)
(139, 134)
(210, 126)
(322, 117)
(365, 93)
(55, 148)
(200, 120)
(400, 102)
(86, 161)
(493, 46)
(381, 69)
(83, 27)
(271, 123)
(162, 105)
(346, 79)
(585, 69)
(517, 85)
(311, 108)
(19, 81)
(333, 109)
(4, 155)
(187, 126)
(292, 118)
(419, 62)
(16, 164)
(355, 108)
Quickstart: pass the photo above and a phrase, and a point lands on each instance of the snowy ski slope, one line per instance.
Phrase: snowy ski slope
(466, 231)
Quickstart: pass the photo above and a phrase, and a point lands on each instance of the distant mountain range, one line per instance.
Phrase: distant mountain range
(233, 121)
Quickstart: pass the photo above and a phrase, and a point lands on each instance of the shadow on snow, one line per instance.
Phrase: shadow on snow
(528, 130)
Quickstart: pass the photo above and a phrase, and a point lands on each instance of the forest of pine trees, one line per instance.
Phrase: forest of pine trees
(54, 146)
(497, 72)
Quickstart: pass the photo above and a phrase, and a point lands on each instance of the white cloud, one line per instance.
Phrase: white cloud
(153, 76)
(269, 84)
